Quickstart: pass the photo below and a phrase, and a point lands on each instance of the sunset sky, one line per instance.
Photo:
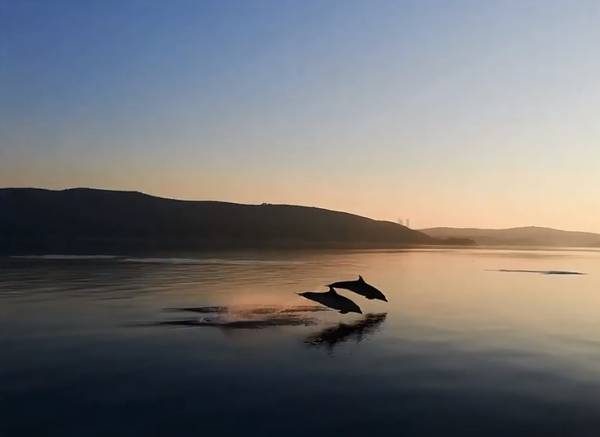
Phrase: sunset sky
(450, 113)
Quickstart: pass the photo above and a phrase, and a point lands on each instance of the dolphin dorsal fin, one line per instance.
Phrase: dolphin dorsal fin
(360, 278)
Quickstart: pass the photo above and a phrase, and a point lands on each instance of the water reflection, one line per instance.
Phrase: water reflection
(471, 351)
(343, 332)
(246, 317)
(258, 317)
(283, 320)
(273, 309)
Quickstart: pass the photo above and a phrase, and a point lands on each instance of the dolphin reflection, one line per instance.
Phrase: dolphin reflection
(345, 331)
(333, 300)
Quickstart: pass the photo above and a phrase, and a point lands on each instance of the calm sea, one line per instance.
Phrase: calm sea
(221, 344)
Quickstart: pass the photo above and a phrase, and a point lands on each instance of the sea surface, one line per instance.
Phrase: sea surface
(473, 342)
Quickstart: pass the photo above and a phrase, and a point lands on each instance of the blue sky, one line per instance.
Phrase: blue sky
(461, 113)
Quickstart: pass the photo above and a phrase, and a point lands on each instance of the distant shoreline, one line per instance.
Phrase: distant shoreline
(109, 247)
(252, 252)
(520, 236)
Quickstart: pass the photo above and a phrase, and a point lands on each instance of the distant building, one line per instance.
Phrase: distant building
(404, 222)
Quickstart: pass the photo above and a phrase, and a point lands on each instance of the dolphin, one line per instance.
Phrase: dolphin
(361, 287)
(332, 300)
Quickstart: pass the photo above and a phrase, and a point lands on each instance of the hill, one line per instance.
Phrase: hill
(91, 220)
(522, 236)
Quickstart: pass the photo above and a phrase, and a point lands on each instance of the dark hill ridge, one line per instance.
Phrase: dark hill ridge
(522, 236)
(84, 220)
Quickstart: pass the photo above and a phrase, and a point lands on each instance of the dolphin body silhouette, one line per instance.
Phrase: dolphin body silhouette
(333, 300)
(360, 287)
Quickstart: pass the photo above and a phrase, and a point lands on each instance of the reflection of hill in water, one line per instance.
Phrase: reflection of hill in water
(346, 331)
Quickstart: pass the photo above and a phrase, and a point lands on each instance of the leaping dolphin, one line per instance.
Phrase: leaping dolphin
(333, 300)
(361, 287)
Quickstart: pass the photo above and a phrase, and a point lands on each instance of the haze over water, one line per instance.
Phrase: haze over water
(127, 345)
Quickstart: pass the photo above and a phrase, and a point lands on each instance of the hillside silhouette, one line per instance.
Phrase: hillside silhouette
(82, 219)
(522, 236)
